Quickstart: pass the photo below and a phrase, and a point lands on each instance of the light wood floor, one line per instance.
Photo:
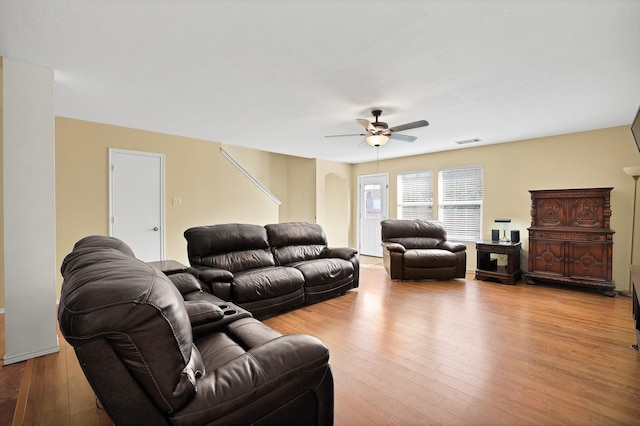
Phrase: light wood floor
(460, 352)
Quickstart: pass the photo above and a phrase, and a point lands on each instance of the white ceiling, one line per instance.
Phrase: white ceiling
(280, 75)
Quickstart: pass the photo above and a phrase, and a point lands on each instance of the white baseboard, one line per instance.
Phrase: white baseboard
(23, 357)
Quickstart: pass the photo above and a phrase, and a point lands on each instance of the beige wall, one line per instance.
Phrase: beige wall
(1, 188)
(211, 188)
(301, 203)
(213, 191)
(333, 206)
(577, 160)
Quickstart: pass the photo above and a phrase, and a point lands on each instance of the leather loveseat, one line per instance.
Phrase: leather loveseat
(272, 268)
(132, 334)
(419, 249)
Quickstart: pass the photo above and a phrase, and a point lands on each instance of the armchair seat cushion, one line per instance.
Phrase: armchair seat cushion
(429, 258)
(266, 283)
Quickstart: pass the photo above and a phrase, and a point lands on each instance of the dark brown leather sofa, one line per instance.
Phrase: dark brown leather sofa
(272, 268)
(134, 337)
(419, 249)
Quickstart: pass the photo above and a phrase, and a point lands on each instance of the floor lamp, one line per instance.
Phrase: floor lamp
(634, 172)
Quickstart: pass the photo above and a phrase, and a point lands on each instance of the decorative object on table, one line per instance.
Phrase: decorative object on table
(504, 222)
(495, 234)
(570, 240)
(515, 236)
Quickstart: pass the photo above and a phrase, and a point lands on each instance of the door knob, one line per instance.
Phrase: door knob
(155, 228)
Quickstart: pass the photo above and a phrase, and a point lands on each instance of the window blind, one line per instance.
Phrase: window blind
(460, 194)
(415, 195)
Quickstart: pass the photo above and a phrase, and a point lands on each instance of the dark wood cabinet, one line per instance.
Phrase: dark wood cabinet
(570, 241)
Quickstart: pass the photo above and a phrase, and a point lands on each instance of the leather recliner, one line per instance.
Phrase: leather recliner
(419, 249)
(132, 335)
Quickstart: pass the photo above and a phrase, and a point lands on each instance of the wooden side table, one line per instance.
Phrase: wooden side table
(488, 267)
(168, 267)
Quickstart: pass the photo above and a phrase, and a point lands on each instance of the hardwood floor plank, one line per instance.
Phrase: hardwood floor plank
(20, 406)
(454, 352)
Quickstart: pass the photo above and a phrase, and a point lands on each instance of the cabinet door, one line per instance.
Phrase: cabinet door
(589, 261)
(547, 257)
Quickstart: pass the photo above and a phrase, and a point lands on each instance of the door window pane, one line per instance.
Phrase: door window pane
(373, 201)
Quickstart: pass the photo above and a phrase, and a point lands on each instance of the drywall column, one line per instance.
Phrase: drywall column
(29, 211)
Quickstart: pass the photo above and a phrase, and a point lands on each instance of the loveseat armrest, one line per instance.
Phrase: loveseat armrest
(453, 247)
(345, 253)
(394, 247)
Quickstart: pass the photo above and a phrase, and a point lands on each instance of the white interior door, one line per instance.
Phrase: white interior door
(136, 201)
(373, 207)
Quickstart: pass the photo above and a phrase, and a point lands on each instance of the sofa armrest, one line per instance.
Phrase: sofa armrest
(216, 281)
(453, 247)
(394, 247)
(345, 253)
(210, 275)
(293, 363)
(202, 312)
(185, 282)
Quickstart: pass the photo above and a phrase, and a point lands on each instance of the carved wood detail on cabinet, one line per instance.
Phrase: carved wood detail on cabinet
(570, 241)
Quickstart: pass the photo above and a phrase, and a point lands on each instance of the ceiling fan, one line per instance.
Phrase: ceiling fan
(379, 133)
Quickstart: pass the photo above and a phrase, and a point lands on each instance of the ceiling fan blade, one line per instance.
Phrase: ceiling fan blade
(402, 137)
(341, 136)
(366, 124)
(415, 124)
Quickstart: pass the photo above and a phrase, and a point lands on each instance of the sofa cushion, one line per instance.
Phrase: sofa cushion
(265, 283)
(296, 241)
(231, 246)
(324, 271)
(429, 258)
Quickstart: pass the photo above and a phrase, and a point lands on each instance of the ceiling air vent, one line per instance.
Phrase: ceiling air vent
(466, 141)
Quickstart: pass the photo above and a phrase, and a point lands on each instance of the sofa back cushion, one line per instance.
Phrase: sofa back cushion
(296, 241)
(230, 246)
(414, 234)
(107, 294)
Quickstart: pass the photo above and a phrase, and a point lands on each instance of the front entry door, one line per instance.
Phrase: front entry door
(373, 194)
(136, 201)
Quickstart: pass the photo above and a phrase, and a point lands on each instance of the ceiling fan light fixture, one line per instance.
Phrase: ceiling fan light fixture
(377, 140)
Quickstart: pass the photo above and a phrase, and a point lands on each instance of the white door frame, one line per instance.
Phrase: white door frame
(112, 152)
(385, 207)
